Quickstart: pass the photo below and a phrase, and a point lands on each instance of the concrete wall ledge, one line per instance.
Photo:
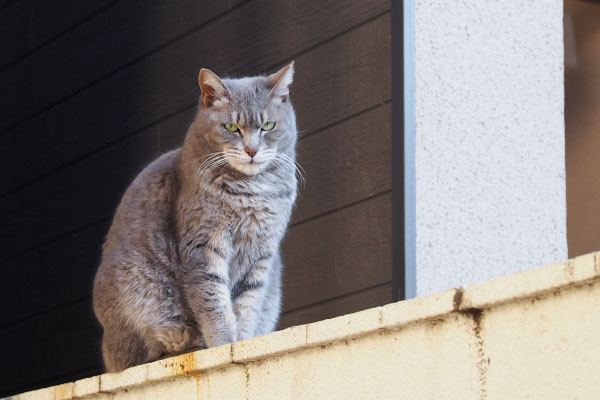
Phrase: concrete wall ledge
(533, 334)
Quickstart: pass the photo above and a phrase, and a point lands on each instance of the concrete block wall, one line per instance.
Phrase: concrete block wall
(528, 335)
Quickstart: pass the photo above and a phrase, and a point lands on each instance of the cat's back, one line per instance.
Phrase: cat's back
(139, 248)
(146, 205)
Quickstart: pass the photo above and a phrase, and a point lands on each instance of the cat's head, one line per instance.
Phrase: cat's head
(247, 123)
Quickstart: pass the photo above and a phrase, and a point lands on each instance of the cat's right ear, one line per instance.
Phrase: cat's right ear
(212, 87)
(280, 82)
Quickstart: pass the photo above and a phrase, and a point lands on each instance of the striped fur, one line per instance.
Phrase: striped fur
(192, 257)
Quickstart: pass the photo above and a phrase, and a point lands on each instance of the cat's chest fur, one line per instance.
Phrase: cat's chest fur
(256, 213)
(257, 218)
(255, 207)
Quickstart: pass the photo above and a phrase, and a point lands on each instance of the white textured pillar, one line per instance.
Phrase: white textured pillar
(490, 154)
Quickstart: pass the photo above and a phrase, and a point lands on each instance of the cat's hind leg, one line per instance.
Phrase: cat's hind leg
(123, 348)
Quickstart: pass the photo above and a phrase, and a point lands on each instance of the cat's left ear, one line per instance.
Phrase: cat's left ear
(280, 82)
(213, 88)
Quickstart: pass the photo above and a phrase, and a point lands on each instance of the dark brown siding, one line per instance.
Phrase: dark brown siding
(94, 90)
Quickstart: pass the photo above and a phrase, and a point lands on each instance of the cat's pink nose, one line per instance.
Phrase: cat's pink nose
(251, 152)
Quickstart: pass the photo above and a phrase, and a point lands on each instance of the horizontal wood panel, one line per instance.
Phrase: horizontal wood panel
(171, 132)
(75, 198)
(90, 189)
(55, 344)
(338, 253)
(51, 276)
(332, 256)
(135, 97)
(350, 303)
(87, 119)
(27, 24)
(335, 255)
(344, 77)
(93, 50)
(344, 163)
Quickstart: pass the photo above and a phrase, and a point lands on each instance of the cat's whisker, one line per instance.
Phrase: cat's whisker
(294, 165)
(284, 161)
(215, 158)
(286, 164)
(206, 172)
(211, 157)
(215, 162)
(216, 165)
(236, 155)
(294, 161)
(203, 167)
(278, 162)
(211, 154)
(210, 164)
(298, 167)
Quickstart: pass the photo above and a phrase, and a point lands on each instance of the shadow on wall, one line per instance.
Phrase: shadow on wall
(582, 120)
(86, 110)
(113, 85)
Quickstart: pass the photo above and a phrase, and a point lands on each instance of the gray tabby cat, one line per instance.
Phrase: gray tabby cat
(192, 257)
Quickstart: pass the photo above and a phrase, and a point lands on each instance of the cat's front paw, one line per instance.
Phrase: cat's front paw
(243, 335)
(220, 339)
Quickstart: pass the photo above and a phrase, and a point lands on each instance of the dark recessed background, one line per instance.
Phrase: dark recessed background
(92, 90)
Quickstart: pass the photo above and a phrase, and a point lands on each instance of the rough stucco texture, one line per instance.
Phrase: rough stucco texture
(490, 153)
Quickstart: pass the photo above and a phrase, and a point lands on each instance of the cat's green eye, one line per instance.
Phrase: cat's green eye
(231, 127)
(268, 126)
